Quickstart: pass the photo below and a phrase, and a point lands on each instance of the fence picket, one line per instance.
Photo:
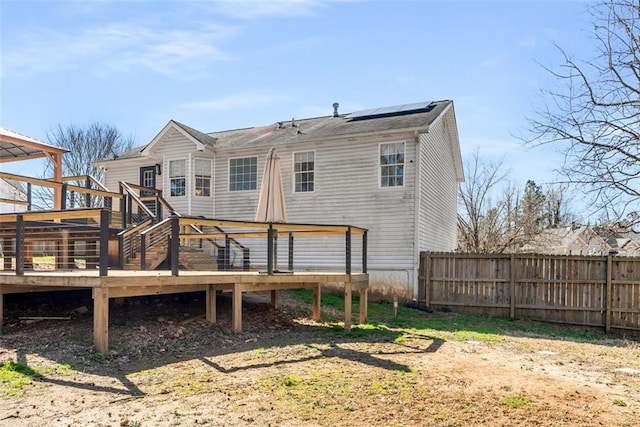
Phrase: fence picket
(579, 290)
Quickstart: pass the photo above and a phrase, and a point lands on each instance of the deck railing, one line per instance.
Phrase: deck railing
(20, 232)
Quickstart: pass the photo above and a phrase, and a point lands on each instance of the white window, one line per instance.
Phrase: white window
(243, 174)
(202, 175)
(177, 177)
(304, 171)
(392, 164)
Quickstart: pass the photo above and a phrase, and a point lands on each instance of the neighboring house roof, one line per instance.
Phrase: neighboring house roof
(387, 120)
(17, 185)
(590, 240)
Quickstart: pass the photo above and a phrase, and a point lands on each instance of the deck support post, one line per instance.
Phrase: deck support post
(364, 300)
(211, 304)
(347, 306)
(236, 311)
(317, 297)
(101, 319)
(274, 299)
(1, 307)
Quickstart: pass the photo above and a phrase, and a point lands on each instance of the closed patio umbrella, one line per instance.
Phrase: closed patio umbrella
(271, 204)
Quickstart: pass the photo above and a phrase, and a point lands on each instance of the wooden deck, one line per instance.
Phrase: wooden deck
(123, 283)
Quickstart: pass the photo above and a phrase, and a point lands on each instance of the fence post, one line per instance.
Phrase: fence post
(608, 295)
(427, 280)
(512, 286)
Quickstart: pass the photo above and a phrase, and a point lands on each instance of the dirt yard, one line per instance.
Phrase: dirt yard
(168, 367)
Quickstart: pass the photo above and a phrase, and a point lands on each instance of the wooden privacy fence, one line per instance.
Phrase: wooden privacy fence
(579, 290)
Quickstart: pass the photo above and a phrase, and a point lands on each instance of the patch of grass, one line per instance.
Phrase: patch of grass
(260, 350)
(98, 357)
(16, 376)
(291, 381)
(517, 401)
(454, 326)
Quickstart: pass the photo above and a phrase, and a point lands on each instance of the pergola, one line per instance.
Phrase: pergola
(15, 147)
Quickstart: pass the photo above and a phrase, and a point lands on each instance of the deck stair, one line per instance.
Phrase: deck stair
(197, 259)
(153, 258)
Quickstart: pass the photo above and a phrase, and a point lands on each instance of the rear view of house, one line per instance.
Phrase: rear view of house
(393, 170)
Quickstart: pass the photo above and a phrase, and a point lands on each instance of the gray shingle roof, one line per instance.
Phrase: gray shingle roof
(196, 134)
(313, 128)
(328, 127)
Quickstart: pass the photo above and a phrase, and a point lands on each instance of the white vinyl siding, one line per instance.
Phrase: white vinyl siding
(438, 191)
(350, 171)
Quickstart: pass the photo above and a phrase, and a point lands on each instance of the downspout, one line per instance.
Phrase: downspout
(417, 210)
(213, 185)
(188, 182)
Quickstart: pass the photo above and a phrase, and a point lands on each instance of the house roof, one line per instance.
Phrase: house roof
(411, 117)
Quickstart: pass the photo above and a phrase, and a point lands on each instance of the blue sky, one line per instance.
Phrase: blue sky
(217, 65)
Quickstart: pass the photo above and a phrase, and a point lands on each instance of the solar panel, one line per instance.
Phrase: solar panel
(389, 111)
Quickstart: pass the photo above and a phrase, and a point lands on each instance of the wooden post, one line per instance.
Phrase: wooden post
(274, 299)
(87, 197)
(175, 245)
(427, 280)
(512, 286)
(29, 196)
(608, 295)
(347, 241)
(317, 297)
(270, 249)
(1, 307)
(104, 242)
(101, 319)
(20, 243)
(347, 306)
(143, 251)
(364, 251)
(364, 300)
(236, 311)
(211, 304)
(290, 252)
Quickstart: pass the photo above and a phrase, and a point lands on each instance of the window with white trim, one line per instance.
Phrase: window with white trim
(392, 164)
(178, 177)
(304, 171)
(243, 174)
(202, 177)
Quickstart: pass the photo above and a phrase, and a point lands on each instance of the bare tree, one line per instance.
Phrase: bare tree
(496, 218)
(483, 225)
(86, 145)
(594, 115)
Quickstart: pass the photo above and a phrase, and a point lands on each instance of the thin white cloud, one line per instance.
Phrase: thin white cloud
(117, 47)
(253, 9)
(239, 101)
